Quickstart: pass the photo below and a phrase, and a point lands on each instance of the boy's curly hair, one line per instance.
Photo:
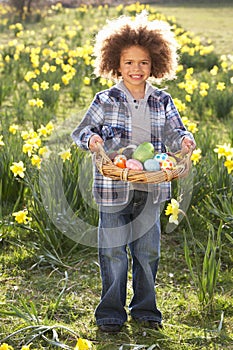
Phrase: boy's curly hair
(154, 36)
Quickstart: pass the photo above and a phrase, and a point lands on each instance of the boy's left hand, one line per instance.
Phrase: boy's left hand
(187, 145)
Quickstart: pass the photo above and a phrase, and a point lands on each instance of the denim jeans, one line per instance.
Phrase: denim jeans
(134, 227)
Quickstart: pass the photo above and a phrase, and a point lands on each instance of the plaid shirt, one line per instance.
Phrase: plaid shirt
(109, 116)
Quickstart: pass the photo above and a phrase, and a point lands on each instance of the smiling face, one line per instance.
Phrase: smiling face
(135, 68)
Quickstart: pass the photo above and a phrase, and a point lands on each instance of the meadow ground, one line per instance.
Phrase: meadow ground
(212, 21)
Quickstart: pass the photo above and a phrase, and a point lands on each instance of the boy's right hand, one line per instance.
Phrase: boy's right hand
(94, 140)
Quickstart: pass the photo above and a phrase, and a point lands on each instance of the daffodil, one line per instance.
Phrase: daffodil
(42, 130)
(28, 148)
(13, 129)
(44, 85)
(5, 346)
(192, 127)
(65, 155)
(36, 161)
(56, 87)
(221, 86)
(35, 86)
(83, 344)
(229, 165)
(224, 150)
(18, 169)
(22, 218)
(86, 81)
(214, 70)
(49, 127)
(179, 105)
(26, 347)
(1, 142)
(173, 210)
(196, 156)
(43, 150)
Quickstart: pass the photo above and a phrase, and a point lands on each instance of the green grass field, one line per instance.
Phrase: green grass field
(213, 22)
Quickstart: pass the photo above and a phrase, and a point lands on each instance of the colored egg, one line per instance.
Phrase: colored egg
(120, 161)
(134, 164)
(173, 160)
(151, 165)
(161, 156)
(166, 165)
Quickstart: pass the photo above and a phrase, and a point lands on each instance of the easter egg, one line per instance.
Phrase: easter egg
(143, 152)
(166, 165)
(151, 165)
(173, 160)
(120, 161)
(134, 164)
(129, 150)
(161, 156)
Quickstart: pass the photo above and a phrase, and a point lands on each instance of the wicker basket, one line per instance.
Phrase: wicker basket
(108, 169)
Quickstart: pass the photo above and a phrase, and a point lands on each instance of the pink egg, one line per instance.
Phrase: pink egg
(134, 164)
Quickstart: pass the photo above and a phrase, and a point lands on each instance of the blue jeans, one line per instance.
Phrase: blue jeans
(136, 226)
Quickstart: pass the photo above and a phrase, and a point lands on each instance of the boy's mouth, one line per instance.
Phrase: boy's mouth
(136, 76)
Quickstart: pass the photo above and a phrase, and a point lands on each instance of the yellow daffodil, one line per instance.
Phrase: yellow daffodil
(25, 347)
(53, 69)
(192, 127)
(49, 127)
(42, 130)
(86, 81)
(30, 75)
(221, 86)
(43, 150)
(22, 218)
(65, 155)
(28, 148)
(36, 103)
(1, 142)
(35, 86)
(45, 68)
(229, 165)
(224, 150)
(44, 85)
(83, 344)
(214, 70)
(203, 93)
(173, 210)
(18, 169)
(204, 86)
(196, 156)
(179, 105)
(5, 346)
(36, 161)
(13, 129)
(56, 87)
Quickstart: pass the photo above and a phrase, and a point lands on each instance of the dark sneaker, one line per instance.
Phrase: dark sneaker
(110, 328)
(156, 325)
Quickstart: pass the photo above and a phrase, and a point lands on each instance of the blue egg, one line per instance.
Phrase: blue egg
(151, 165)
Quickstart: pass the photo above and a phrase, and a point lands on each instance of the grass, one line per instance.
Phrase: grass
(186, 325)
(213, 21)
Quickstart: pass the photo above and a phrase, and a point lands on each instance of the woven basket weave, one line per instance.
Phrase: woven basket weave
(108, 169)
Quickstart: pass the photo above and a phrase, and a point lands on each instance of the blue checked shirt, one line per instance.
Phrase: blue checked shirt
(109, 117)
